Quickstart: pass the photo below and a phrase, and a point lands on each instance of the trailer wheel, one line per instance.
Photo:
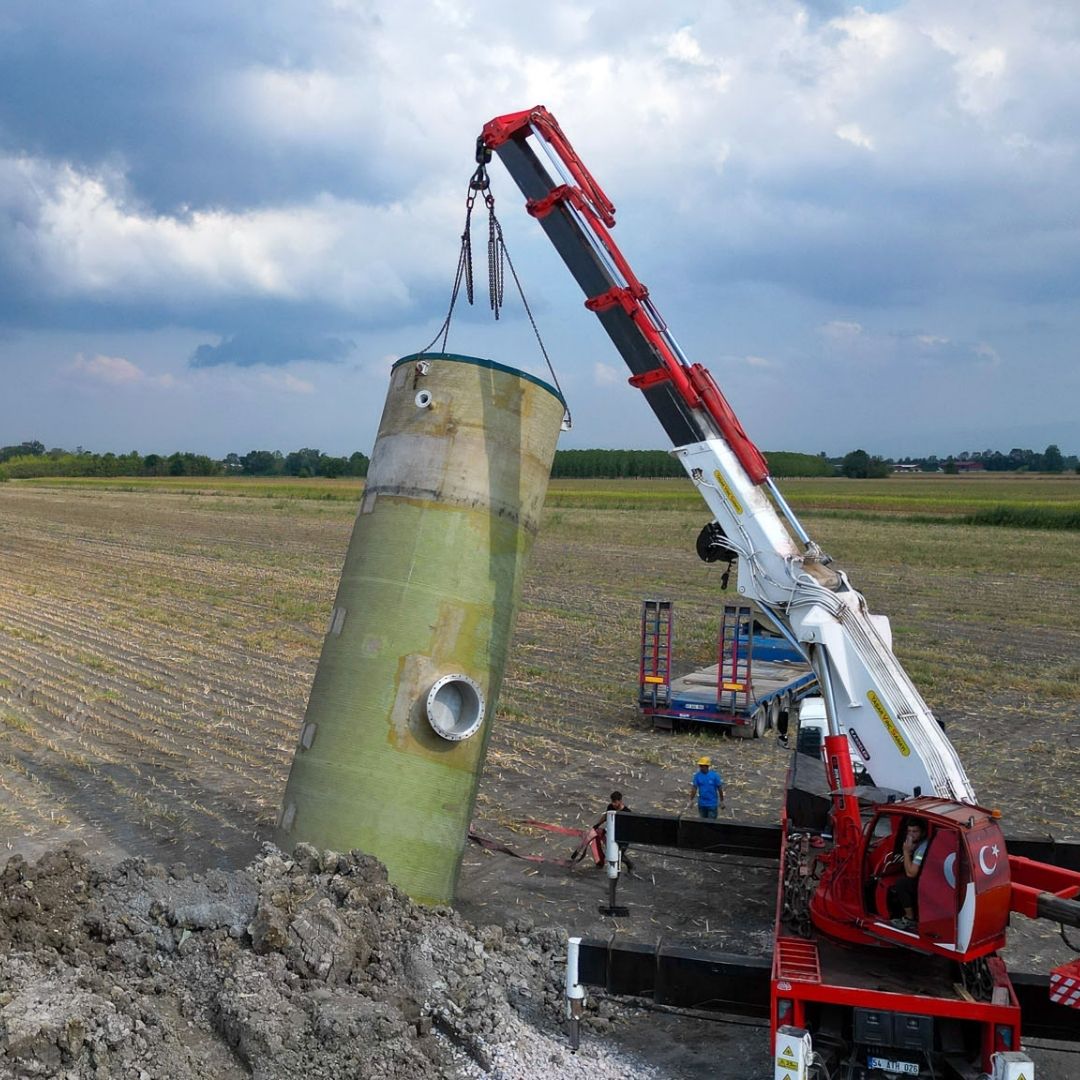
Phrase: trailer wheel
(783, 721)
(758, 721)
(773, 719)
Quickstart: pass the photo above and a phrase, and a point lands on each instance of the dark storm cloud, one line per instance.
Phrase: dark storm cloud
(271, 348)
(152, 86)
(867, 237)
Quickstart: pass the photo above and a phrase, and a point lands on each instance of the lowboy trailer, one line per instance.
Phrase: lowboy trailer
(757, 679)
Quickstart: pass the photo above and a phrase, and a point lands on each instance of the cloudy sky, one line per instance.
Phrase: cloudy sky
(220, 223)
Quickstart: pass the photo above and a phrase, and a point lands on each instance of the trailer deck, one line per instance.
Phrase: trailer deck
(700, 696)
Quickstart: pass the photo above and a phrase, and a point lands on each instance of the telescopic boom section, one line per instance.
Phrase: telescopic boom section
(866, 690)
(577, 216)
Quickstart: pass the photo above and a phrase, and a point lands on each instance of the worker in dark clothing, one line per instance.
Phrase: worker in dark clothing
(616, 803)
(906, 889)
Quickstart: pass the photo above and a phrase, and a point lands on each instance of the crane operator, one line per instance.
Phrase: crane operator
(905, 890)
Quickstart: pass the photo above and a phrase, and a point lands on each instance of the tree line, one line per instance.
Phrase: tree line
(860, 464)
(615, 464)
(1051, 460)
(32, 459)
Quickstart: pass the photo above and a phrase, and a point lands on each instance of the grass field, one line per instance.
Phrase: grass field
(931, 496)
(238, 487)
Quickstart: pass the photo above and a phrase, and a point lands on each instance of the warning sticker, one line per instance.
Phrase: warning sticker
(887, 720)
(731, 497)
(786, 1063)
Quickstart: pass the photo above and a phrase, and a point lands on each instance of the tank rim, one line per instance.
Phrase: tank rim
(479, 361)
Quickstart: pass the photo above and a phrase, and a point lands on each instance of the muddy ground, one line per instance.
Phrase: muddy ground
(156, 651)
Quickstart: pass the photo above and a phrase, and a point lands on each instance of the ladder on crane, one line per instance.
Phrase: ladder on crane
(657, 617)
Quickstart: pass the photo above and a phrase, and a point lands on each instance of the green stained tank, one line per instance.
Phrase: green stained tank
(393, 742)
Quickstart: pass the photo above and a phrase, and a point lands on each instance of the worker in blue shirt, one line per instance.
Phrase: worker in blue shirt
(708, 789)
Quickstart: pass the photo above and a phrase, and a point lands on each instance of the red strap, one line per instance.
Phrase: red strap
(493, 845)
(562, 830)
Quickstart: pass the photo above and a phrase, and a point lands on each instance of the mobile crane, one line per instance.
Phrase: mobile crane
(959, 1015)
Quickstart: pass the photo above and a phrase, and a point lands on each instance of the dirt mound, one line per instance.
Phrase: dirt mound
(311, 966)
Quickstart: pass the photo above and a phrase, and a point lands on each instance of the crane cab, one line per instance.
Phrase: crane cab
(962, 889)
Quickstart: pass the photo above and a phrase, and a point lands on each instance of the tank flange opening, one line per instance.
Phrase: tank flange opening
(455, 707)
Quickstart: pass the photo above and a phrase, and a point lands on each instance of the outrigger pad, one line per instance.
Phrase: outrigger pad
(1065, 984)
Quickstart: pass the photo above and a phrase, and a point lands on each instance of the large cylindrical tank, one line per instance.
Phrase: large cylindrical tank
(392, 746)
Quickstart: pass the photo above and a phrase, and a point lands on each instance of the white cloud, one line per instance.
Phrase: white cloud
(873, 36)
(853, 134)
(979, 68)
(285, 382)
(842, 330)
(306, 107)
(114, 371)
(107, 369)
(684, 47)
(764, 97)
(605, 374)
(93, 240)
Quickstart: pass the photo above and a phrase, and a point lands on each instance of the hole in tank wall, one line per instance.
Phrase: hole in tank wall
(455, 707)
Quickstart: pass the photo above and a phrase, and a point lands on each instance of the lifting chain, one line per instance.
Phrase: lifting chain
(499, 261)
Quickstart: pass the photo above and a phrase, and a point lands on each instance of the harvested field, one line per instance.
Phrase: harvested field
(157, 645)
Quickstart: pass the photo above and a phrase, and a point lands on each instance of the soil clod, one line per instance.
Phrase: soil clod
(310, 966)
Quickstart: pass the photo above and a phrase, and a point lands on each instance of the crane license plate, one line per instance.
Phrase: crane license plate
(887, 1065)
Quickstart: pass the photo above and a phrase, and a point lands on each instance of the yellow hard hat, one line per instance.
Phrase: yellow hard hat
(703, 761)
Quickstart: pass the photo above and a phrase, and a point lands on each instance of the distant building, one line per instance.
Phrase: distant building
(970, 466)
(906, 468)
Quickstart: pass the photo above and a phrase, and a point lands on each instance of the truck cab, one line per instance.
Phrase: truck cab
(810, 737)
